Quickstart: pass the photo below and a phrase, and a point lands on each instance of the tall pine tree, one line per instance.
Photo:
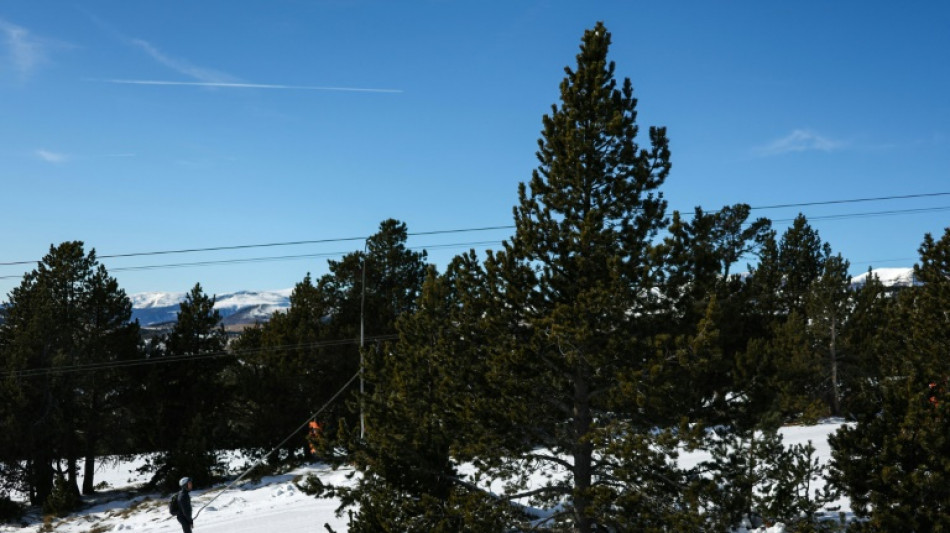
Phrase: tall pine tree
(575, 361)
(187, 394)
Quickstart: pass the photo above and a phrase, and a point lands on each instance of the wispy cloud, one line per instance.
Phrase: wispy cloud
(24, 50)
(57, 158)
(204, 75)
(50, 157)
(800, 141)
(240, 85)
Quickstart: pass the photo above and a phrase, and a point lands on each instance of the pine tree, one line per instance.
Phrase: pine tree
(698, 258)
(394, 277)
(801, 259)
(893, 462)
(800, 300)
(300, 358)
(755, 479)
(829, 305)
(765, 288)
(701, 252)
(198, 329)
(368, 291)
(416, 423)
(863, 335)
(188, 394)
(66, 313)
(109, 337)
(711, 243)
(795, 371)
(575, 285)
(541, 358)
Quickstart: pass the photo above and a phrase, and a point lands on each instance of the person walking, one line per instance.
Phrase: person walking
(184, 505)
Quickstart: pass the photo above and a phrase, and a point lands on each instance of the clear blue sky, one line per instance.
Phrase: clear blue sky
(303, 120)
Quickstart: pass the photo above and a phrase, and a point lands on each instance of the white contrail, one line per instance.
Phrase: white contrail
(251, 86)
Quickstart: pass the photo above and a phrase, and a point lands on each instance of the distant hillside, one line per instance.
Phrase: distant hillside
(239, 308)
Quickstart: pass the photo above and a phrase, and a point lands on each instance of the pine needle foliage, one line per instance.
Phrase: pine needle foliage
(66, 313)
(893, 462)
(575, 359)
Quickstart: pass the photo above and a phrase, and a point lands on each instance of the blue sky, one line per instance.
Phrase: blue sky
(157, 126)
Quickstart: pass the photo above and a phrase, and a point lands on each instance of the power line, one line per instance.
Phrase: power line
(270, 244)
(107, 365)
(843, 216)
(208, 249)
(282, 257)
(268, 258)
(290, 436)
(460, 230)
(902, 260)
(855, 200)
(870, 214)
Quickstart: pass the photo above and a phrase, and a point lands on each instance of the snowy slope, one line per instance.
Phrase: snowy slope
(276, 504)
(890, 277)
(273, 504)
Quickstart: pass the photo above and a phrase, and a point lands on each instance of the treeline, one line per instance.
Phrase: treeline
(78, 381)
(601, 340)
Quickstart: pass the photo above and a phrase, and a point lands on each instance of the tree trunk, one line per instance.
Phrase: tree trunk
(42, 479)
(92, 437)
(72, 471)
(748, 488)
(835, 386)
(583, 451)
(88, 476)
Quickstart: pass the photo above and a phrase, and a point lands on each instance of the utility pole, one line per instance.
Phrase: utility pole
(362, 339)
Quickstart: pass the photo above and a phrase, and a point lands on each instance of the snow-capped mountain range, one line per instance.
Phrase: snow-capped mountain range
(248, 307)
(890, 277)
(242, 307)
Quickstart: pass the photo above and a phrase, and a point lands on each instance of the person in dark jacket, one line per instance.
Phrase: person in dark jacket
(184, 505)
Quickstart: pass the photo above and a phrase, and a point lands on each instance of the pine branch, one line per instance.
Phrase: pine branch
(550, 458)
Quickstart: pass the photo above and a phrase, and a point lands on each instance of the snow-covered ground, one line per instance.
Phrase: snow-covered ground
(274, 503)
(791, 436)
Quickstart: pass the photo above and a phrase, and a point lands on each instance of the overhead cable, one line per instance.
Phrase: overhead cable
(854, 200)
(107, 365)
(468, 230)
(270, 244)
